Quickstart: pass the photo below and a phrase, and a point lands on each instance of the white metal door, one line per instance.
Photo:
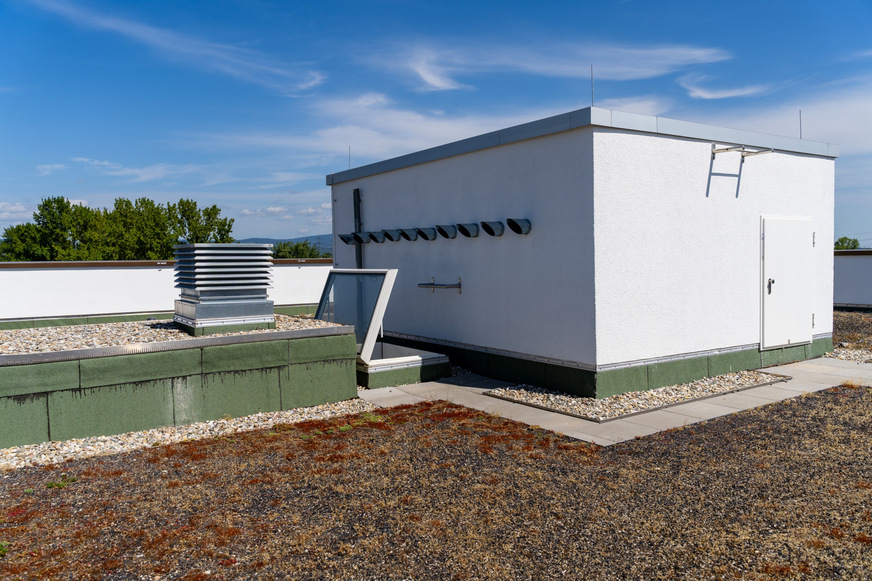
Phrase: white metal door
(786, 281)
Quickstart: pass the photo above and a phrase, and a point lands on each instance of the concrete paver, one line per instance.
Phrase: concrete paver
(741, 400)
(469, 390)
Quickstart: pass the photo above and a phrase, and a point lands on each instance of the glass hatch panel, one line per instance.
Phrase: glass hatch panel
(357, 297)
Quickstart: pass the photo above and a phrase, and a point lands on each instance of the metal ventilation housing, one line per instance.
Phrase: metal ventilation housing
(223, 287)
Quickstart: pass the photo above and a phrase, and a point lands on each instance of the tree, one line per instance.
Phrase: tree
(21, 242)
(304, 249)
(140, 230)
(845, 243)
(195, 226)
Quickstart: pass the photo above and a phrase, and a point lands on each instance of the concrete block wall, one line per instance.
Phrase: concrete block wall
(199, 380)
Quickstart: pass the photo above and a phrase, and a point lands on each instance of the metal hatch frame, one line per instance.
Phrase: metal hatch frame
(375, 321)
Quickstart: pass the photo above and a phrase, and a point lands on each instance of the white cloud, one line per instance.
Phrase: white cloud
(241, 63)
(326, 206)
(321, 221)
(308, 211)
(647, 105)
(152, 172)
(14, 212)
(48, 168)
(840, 113)
(373, 126)
(438, 68)
(692, 83)
(270, 212)
(78, 202)
(7, 89)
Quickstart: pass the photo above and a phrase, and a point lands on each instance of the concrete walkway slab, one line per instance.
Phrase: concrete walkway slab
(469, 390)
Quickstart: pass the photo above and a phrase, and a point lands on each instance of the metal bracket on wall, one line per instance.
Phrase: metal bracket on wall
(433, 285)
(742, 148)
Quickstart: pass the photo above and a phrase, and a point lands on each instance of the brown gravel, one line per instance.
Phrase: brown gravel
(853, 328)
(436, 491)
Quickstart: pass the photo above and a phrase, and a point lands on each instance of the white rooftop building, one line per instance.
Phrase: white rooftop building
(599, 252)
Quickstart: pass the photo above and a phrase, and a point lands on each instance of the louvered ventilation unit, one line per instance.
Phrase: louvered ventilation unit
(223, 286)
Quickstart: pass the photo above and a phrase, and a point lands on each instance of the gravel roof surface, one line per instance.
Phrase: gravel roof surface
(46, 339)
(437, 491)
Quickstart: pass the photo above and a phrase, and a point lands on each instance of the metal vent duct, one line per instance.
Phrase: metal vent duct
(223, 285)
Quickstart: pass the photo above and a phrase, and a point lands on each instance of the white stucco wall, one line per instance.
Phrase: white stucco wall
(678, 242)
(529, 294)
(852, 279)
(100, 290)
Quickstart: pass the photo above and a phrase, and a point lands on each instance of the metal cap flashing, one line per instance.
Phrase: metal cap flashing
(591, 117)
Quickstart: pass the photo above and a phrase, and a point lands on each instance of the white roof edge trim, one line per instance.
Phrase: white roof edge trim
(592, 117)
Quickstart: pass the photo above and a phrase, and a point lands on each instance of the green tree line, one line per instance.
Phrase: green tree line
(138, 230)
(845, 243)
(304, 249)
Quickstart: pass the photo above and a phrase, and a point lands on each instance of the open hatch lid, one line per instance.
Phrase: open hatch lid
(358, 297)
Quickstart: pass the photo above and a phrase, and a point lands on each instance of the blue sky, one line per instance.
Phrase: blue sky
(248, 104)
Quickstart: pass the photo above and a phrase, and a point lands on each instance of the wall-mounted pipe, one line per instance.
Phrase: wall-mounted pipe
(347, 238)
(468, 230)
(426, 233)
(377, 237)
(447, 231)
(392, 235)
(409, 234)
(493, 228)
(519, 225)
(358, 227)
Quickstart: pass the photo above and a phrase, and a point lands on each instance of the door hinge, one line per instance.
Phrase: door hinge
(812, 320)
(812, 239)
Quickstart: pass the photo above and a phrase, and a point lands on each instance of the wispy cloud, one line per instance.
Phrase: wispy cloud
(693, 85)
(241, 63)
(152, 172)
(7, 89)
(643, 105)
(49, 168)
(14, 212)
(840, 113)
(374, 126)
(439, 68)
(271, 212)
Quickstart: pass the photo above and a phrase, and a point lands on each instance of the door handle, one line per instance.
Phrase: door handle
(769, 285)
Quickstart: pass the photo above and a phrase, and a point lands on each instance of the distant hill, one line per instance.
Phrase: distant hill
(323, 242)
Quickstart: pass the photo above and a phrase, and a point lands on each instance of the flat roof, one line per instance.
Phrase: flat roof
(592, 117)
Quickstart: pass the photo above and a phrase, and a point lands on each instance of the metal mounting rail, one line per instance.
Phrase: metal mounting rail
(433, 285)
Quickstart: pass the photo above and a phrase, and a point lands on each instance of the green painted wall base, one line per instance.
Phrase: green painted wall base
(128, 392)
(394, 377)
(603, 384)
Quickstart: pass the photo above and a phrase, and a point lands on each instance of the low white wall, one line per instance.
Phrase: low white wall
(852, 278)
(31, 292)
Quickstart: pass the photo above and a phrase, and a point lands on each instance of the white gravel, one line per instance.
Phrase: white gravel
(58, 452)
(632, 402)
(847, 354)
(46, 339)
